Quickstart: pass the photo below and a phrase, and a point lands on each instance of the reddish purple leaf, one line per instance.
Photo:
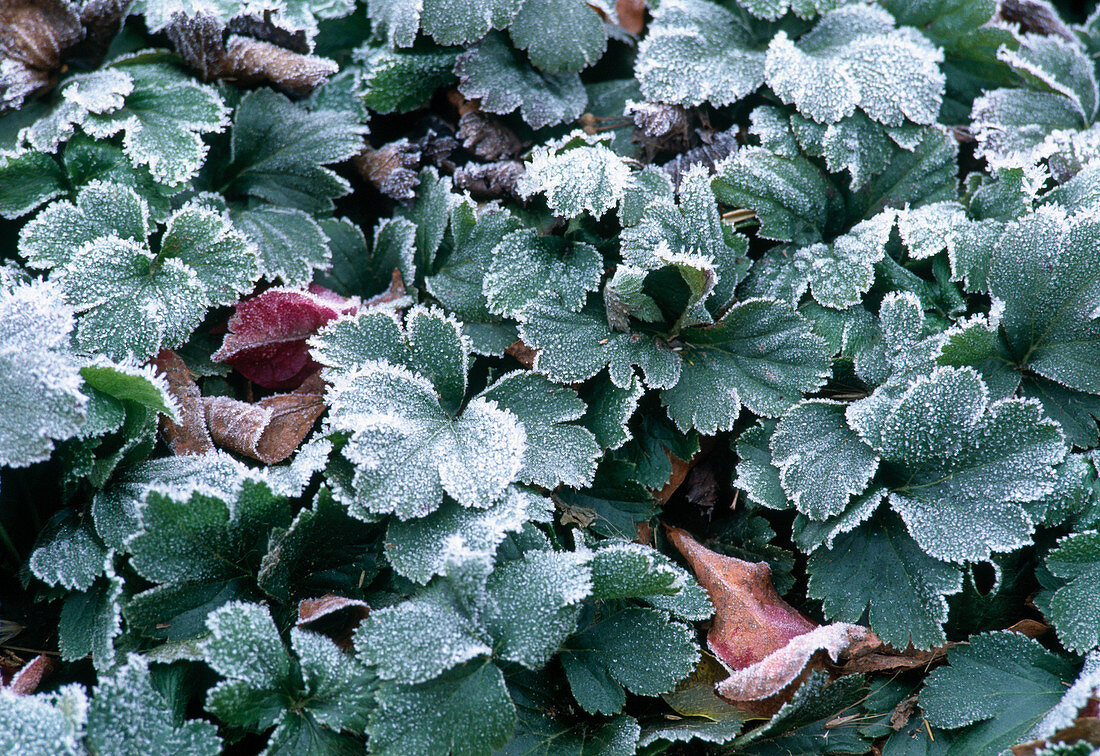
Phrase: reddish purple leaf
(267, 335)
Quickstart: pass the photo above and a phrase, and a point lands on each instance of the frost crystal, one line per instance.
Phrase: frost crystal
(855, 57)
(41, 389)
(577, 173)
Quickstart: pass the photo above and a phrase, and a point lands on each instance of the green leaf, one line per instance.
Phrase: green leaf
(279, 150)
(610, 409)
(419, 639)
(91, 621)
(496, 74)
(558, 451)
(528, 268)
(338, 692)
(697, 52)
(199, 550)
(878, 573)
(967, 503)
(638, 648)
(856, 58)
(1075, 607)
(41, 390)
(762, 354)
(841, 272)
(244, 645)
(128, 715)
(28, 179)
(577, 173)
(559, 35)
(822, 462)
(539, 732)
(1003, 681)
(791, 196)
(471, 714)
(756, 475)
(408, 450)
(396, 81)
(532, 605)
(140, 385)
(575, 346)
(419, 549)
(291, 243)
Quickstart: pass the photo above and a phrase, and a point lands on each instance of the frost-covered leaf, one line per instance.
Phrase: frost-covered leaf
(878, 574)
(266, 339)
(528, 268)
(609, 410)
(419, 549)
(67, 554)
(639, 649)
(822, 462)
(402, 80)
(927, 230)
(160, 112)
(495, 74)
(761, 354)
(1027, 678)
(539, 732)
(419, 639)
(290, 242)
(577, 173)
(44, 723)
(408, 449)
(127, 715)
(757, 477)
(666, 233)
(558, 451)
(197, 549)
(841, 272)
(467, 711)
(280, 149)
(448, 23)
(970, 502)
(1075, 607)
(853, 58)
(574, 346)
(91, 621)
(41, 390)
(310, 700)
(697, 52)
(1044, 270)
(532, 605)
(559, 35)
(791, 196)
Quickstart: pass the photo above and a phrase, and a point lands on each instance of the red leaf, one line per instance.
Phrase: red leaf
(267, 335)
(26, 680)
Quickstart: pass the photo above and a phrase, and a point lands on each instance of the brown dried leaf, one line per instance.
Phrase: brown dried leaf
(391, 168)
(310, 610)
(252, 63)
(522, 354)
(680, 469)
(269, 430)
(187, 435)
(487, 138)
(1085, 729)
(1034, 17)
(486, 181)
(1029, 627)
(37, 32)
(767, 643)
(631, 15)
(392, 294)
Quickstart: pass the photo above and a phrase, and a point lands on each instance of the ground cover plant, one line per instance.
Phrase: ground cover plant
(549, 377)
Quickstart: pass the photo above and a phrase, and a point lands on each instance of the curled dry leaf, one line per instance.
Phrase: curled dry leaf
(394, 168)
(269, 430)
(187, 434)
(34, 36)
(267, 335)
(245, 60)
(311, 610)
(487, 138)
(487, 181)
(766, 643)
(522, 354)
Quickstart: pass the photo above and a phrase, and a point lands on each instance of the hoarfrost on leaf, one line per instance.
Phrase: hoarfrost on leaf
(696, 52)
(577, 173)
(495, 74)
(854, 57)
(1075, 607)
(528, 268)
(41, 390)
